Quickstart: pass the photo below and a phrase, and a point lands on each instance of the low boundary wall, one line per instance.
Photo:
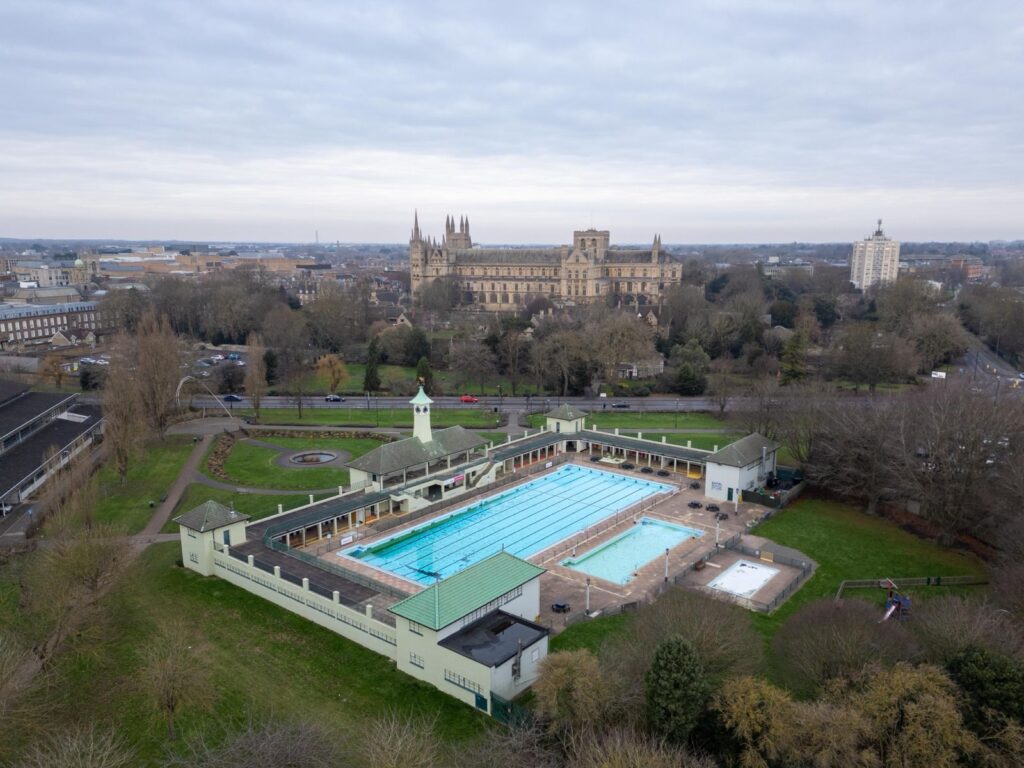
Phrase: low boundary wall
(359, 627)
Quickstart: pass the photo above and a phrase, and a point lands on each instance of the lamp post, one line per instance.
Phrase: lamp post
(666, 564)
(587, 601)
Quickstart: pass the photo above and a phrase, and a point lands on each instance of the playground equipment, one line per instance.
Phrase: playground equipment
(896, 605)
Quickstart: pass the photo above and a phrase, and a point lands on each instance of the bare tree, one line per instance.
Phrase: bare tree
(397, 741)
(125, 424)
(858, 457)
(723, 387)
(88, 747)
(524, 744)
(721, 634)
(950, 451)
(512, 349)
(472, 362)
(174, 675)
(333, 369)
(949, 624)
(827, 639)
(572, 691)
(760, 414)
(157, 370)
(256, 371)
(629, 749)
(263, 745)
(63, 583)
(801, 411)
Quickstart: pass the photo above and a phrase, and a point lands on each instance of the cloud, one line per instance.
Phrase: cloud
(707, 120)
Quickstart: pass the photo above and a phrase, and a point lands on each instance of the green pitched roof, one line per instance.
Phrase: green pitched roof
(411, 452)
(744, 451)
(421, 398)
(467, 590)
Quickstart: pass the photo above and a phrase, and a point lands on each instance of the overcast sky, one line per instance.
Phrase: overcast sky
(710, 121)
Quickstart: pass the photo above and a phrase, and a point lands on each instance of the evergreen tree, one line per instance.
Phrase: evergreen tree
(794, 359)
(371, 378)
(425, 375)
(690, 380)
(677, 689)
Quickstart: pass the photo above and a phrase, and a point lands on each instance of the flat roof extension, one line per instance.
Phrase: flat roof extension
(495, 638)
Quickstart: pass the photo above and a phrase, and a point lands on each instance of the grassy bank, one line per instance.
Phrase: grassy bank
(255, 505)
(150, 476)
(260, 658)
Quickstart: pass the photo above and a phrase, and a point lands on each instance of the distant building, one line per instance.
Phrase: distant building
(31, 324)
(875, 260)
(507, 278)
(39, 433)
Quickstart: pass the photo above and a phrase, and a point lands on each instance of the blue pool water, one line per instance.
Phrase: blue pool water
(523, 520)
(618, 559)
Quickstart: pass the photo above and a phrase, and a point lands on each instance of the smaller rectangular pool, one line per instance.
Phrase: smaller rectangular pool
(743, 578)
(618, 559)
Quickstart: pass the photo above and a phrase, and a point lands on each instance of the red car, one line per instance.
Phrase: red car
(469, 399)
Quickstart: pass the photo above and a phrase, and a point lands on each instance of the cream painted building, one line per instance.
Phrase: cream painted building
(875, 260)
(507, 278)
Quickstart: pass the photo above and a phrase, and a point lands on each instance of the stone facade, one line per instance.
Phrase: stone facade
(507, 278)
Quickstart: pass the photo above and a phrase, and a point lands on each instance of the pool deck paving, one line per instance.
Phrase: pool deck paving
(564, 585)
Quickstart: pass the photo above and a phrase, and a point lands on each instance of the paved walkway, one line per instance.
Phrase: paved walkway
(177, 489)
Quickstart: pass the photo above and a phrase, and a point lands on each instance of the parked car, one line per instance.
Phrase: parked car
(620, 405)
(240, 363)
(217, 358)
(334, 399)
(232, 398)
(469, 399)
(234, 356)
(695, 505)
(712, 508)
(560, 608)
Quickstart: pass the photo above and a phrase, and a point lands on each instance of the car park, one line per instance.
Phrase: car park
(469, 399)
(232, 398)
(695, 505)
(334, 399)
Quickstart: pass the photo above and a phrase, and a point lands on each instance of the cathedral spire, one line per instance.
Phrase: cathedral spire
(416, 226)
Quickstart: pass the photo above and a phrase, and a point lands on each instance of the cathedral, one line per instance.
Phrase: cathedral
(507, 278)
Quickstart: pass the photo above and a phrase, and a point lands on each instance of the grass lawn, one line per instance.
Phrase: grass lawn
(150, 475)
(253, 504)
(705, 441)
(589, 634)
(374, 417)
(496, 437)
(848, 544)
(643, 420)
(256, 467)
(261, 659)
(356, 446)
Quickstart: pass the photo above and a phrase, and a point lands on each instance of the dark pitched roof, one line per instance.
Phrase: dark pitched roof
(208, 516)
(25, 458)
(22, 409)
(744, 451)
(566, 412)
(10, 389)
(392, 457)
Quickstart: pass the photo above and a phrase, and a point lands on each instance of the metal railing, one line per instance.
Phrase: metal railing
(910, 581)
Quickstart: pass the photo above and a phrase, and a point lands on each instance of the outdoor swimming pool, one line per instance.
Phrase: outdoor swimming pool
(522, 520)
(743, 578)
(620, 558)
